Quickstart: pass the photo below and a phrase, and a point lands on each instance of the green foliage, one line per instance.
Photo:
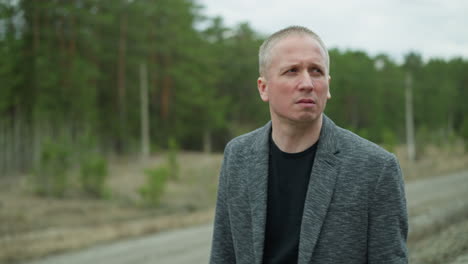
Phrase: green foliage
(93, 175)
(389, 140)
(173, 149)
(156, 181)
(51, 174)
(464, 132)
(77, 63)
(423, 136)
(93, 166)
(10, 48)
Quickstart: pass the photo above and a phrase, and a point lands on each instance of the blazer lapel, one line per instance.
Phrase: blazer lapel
(320, 191)
(258, 189)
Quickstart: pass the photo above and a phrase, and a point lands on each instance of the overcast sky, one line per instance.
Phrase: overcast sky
(434, 28)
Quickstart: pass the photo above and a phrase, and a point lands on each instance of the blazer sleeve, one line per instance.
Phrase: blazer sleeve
(222, 247)
(388, 217)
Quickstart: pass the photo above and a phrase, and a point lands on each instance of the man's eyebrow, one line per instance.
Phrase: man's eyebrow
(314, 64)
(287, 66)
(292, 64)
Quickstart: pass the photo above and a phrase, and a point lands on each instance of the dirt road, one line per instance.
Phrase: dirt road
(175, 247)
(434, 205)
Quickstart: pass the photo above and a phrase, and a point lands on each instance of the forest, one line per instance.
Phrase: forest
(125, 77)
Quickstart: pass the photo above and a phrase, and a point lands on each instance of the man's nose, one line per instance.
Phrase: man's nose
(306, 82)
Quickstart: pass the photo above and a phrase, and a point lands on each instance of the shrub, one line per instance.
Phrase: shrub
(93, 175)
(173, 150)
(464, 132)
(389, 140)
(51, 172)
(156, 180)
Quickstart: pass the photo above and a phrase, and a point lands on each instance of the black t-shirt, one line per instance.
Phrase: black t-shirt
(288, 180)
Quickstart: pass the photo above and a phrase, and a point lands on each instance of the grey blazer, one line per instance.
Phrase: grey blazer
(355, 208)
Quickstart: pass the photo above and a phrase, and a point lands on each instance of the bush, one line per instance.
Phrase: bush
(93, 175)
(156, 181)
(389, 140)
(464, 132)
(51, 176)
(172, 158)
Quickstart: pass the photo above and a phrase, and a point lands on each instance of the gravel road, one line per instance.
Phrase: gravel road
(433, 204)
(463, 259)
(189, 245)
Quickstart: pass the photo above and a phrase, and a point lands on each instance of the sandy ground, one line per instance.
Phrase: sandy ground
(447, 243)
(33, 227)
(190, 245)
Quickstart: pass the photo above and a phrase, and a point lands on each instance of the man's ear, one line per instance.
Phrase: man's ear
(262, 88)
(328, 93)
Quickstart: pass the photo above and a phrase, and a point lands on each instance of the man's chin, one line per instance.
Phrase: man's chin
(306, 120)
(309, 118)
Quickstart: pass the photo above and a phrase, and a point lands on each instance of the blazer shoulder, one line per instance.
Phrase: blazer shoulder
(246, 141)
(352, 143)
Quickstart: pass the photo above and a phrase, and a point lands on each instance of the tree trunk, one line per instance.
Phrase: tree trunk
(72, 44)
(207, 141)
(410, 144)
(3, 149)
(166, 90)
(36, 32)
(121, 82)
(145, 130)
(17, 141)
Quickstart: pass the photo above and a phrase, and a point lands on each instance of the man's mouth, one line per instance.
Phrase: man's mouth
(306, 101)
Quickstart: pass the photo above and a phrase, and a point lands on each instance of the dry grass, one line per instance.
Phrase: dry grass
(35, 226)
(57, 239)
(433, 161)
(32, 226)
(441, 247)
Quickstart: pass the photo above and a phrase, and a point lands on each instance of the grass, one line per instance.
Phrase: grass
(433, 161)
(443, 246)
(35, 226)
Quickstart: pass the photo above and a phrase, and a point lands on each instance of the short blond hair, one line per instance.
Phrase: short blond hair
(264, 54)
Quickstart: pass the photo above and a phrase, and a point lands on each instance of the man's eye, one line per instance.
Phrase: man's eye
(316, 71)
(291, 70)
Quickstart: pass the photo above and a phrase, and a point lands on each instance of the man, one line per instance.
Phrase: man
(301, 189)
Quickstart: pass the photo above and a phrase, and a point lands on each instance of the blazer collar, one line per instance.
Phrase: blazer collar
(320, 191)
(319, 194)
(258, 189)
(327, 139)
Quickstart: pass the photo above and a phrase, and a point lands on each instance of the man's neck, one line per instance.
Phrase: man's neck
(294, 138)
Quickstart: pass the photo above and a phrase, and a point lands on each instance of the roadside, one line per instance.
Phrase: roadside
(449, 245)
(438, 218)
(182, 246)
(33, 227)
(191, 245)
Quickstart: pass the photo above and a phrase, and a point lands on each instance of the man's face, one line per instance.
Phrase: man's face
(296, 84)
